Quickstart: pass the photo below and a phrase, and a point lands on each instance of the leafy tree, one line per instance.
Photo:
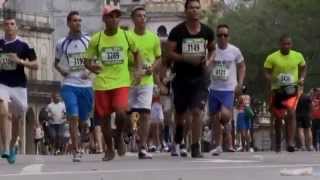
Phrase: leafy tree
(256, 29)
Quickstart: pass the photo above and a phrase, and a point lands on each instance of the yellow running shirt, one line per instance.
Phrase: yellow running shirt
(149, 48)
(285, 68)
(112, 53)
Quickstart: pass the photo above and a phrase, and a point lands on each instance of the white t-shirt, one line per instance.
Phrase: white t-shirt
(38, 133)
(224, 73)
(70, 55)
(56, 113)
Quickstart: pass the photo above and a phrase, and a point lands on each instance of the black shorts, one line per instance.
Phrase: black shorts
(189, 94)
(304, 122)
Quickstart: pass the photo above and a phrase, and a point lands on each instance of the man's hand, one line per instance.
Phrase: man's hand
(14, 58)
(96, 68)
(149, 70)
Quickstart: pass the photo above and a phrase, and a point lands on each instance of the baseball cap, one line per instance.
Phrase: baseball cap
(107, 9)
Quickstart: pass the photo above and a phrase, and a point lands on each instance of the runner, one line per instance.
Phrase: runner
(15, 55)
(112, 82)
(76, 90)
(190, 45)
(140, 96)
(285, 70)
(226, 79)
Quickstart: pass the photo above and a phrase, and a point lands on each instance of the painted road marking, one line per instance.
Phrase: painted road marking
(160, 170)
(32, 169)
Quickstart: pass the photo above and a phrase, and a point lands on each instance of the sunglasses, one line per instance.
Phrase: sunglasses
(223, 35)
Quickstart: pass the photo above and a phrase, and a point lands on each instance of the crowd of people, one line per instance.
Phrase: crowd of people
(124, 89)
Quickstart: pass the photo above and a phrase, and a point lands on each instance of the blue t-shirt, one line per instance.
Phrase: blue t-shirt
(12, 74)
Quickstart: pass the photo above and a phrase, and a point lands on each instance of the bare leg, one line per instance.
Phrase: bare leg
(291, 127)
(5, 125)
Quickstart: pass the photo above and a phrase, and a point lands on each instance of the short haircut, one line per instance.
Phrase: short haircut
(72, 13)
(188, 2)
(137, 8)
(223, 26)
(284, 37)
(6, 18)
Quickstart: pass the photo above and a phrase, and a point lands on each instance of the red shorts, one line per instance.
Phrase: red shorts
(110, 101)
(288, 104)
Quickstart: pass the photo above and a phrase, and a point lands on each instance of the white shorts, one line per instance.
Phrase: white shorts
(15, 97)
(140, 97)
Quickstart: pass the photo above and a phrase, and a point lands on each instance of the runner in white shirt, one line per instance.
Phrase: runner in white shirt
(77, 87)
(227, 78)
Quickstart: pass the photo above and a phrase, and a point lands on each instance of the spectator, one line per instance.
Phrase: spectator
(57, 117)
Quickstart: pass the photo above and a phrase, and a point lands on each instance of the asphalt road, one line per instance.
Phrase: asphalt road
(228, 166)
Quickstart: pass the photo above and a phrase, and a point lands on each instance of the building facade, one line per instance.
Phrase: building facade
(43, 22)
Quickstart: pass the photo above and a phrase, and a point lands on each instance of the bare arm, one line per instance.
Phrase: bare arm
(268, 76)
(26, 63)
(172, 54)
(92, 67)
(30, 64)
(138, 70)
(59, 69)
(210, 56)
(241, 72)
(157, 67)
(302, 74)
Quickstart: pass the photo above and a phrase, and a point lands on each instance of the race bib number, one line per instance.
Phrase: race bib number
(6, 64)
(112, 55)
(220, 72)
(76, 61)
(285, 79)
(194, 47)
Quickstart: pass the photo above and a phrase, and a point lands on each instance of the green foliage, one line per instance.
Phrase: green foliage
(256, 30)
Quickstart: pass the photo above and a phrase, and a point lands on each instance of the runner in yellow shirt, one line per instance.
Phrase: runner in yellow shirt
(140, 96)
(112, 81)
(285, 70)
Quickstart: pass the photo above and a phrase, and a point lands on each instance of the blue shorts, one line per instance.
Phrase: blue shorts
(78, 101)
(243, 122)
(217, 99)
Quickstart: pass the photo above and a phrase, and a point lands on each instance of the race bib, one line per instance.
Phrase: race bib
(112, 55)
(6, 64)
(220, 72)
(76, 61)
(194, 47)
(285, 79)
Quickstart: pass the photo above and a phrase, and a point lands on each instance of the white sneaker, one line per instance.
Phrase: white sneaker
(216, 151)
(251, 150)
